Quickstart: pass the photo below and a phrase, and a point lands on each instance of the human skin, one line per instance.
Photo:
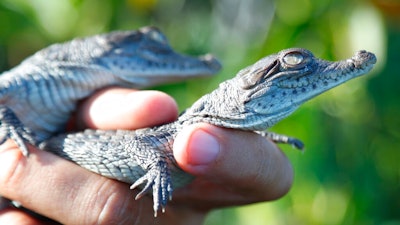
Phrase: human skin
(231, 167)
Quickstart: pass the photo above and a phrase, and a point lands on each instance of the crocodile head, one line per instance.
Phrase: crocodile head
(142, 57)
(145, 57)
(277, 85)
(269, 90)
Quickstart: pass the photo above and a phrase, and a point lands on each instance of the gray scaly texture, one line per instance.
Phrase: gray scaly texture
(255, 99)
(38, 96)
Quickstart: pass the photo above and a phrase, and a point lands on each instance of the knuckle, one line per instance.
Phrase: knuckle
(278, 176)
(272, 172)
(112, 206)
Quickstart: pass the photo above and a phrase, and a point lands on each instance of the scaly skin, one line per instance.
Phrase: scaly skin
(38, 96)
(255, 99)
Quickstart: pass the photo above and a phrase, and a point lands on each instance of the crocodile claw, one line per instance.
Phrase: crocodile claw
(280, 138)
(159, 179)
(11, 127)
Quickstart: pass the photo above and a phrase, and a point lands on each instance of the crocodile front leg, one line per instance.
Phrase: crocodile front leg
(12, 128)
(282, 139)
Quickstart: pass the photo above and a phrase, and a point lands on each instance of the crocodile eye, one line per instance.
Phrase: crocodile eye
(157, 36)
(293, 58)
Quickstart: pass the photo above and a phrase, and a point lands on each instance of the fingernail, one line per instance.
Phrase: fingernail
(204, 148)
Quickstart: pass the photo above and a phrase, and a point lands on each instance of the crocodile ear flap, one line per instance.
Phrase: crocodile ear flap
(250, 78)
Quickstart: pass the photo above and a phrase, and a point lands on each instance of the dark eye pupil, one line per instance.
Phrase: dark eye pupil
(294, 58)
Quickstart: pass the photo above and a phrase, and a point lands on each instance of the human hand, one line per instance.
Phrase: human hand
(246, 168)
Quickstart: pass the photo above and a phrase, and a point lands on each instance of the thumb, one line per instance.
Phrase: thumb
(243, 160)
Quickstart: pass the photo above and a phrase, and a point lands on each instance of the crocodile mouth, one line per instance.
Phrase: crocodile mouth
(361, 63)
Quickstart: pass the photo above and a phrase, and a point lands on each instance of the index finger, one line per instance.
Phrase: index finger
(122, 108)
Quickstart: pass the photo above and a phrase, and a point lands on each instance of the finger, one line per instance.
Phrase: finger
(245, 161)
(63, 191)
(121, 108)
(13, 216)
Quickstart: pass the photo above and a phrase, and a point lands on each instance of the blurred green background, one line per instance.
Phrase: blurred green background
(350, 171)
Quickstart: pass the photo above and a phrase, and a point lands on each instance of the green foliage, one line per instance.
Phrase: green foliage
(350, 171)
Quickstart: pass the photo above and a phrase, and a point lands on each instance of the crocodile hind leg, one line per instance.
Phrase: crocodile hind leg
(158, 178)
(11, 127)
(280, 138)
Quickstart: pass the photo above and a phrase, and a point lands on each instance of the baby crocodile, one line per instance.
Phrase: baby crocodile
(255, 99)
(38, 96)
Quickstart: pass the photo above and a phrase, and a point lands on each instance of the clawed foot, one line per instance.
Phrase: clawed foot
(159, 179)
(279, 138)
(11, 127)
